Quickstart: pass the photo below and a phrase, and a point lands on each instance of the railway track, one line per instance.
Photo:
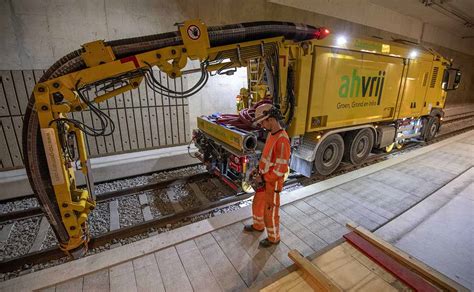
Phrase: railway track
(179, 201)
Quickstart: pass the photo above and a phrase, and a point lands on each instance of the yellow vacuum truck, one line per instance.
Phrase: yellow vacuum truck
(340, 97)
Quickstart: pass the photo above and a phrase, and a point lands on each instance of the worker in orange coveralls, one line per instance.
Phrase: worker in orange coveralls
(273, 167)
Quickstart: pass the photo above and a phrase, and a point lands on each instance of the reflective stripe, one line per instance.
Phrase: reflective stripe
(266, 160)
(273, 231)
(273, 211)
(275, 194)
(278, 173)
(281, 161)
(258, 218)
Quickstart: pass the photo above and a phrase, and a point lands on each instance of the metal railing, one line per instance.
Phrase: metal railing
(143, 119)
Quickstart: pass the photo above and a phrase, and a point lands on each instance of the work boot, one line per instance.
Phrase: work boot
(268, 243)
(250, 228)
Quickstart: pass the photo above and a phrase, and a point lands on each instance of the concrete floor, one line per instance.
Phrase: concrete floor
(440, 230)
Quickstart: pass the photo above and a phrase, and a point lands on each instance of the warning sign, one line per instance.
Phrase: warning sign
(194, 32)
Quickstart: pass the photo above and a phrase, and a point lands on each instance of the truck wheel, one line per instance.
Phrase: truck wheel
(432, 127)
(329, 154)
(358, 145)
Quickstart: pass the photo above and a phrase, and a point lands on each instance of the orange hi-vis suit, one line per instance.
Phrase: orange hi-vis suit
(273, 166)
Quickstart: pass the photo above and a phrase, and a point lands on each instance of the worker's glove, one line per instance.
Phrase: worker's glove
(257, 181)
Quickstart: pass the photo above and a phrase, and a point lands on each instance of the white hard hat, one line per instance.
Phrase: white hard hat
(262, 112)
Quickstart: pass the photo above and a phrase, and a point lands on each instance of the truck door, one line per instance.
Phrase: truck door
(416, 85)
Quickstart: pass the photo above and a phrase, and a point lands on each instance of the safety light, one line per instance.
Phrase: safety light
(341, 40)
(321, 33)
(413, 54)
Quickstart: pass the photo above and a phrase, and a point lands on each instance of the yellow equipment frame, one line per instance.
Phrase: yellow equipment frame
(75, 204)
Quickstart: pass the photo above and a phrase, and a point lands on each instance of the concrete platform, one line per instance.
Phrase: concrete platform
(440, 230)
(215, 255)
(14, 183)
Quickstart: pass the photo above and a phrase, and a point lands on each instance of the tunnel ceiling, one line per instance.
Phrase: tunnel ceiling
(456, 16)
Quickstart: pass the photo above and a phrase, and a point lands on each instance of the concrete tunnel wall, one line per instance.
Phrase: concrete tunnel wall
(35, 33)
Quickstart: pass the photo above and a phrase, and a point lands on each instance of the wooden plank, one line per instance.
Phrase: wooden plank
(172, 271)
(323, 282)
(97, 281)
(350, 275)
(221, 267)
(122, 277)
(390, 264)
(71, 285)
(147, 275)
(335, 258)
(340, 266)
(409, 261)
(198, 272)
(378, 270)
(295, 281)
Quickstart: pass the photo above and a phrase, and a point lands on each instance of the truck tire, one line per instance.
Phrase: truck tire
(329, 154)
(358, 145)
(432, 127)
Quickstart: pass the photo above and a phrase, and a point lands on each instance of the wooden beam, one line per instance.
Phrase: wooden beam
(320, 278)
(424, 270)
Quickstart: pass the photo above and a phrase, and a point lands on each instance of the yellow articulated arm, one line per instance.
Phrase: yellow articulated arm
(57, 98)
